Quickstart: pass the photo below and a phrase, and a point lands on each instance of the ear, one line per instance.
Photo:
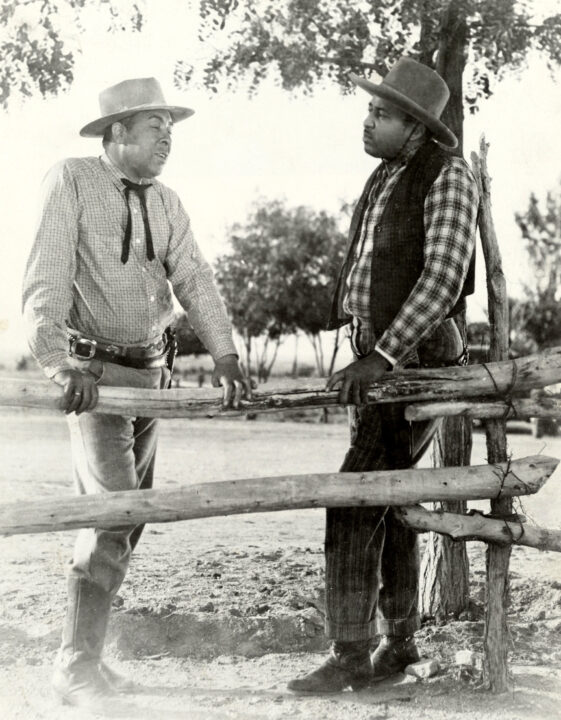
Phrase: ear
(419, 132)
(118, 132)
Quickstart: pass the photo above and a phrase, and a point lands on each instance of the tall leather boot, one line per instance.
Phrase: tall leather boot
(393, 655)
(348, 665)
(77, 679)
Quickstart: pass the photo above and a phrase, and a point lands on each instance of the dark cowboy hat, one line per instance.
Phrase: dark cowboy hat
(417, 90)
(127, 98)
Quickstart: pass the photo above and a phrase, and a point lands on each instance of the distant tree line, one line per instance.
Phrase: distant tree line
(277, 280)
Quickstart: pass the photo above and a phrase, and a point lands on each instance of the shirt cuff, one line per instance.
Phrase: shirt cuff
(227, 355)
(51, 370)
(218, 347)
(385, 355)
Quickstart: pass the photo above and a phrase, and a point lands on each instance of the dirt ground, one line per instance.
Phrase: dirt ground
(217, 615)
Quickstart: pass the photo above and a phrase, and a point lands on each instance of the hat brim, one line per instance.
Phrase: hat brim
(98, 127)
(438, 129)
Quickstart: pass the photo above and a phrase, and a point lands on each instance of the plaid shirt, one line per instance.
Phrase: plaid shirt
(75, 277)
(450, 217)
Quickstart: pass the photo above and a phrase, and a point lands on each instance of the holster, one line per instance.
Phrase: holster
(171, 349)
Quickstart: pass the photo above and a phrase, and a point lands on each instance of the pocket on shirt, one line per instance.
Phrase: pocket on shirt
(109, 243)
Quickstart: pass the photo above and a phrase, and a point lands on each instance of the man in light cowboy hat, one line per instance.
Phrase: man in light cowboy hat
(110, 242)
(407, 271)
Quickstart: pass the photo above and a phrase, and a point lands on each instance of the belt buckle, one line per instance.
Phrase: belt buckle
(90, 344)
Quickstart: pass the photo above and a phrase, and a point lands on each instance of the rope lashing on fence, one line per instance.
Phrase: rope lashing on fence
(497, 391)
(506, 395)
(502, 472)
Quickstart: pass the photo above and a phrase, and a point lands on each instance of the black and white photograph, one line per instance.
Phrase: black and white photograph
(280, 359)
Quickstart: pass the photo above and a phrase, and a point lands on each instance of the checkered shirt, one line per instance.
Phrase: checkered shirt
(450, 217)
(74, 276)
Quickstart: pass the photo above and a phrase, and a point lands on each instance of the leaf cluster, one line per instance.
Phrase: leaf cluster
(301, 44)
(38, 41)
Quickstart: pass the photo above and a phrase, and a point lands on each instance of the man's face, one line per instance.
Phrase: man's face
(386, 129)
(145, 144)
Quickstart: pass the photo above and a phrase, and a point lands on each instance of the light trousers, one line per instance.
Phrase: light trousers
(112, 453)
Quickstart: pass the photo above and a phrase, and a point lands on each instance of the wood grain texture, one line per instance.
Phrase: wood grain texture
(253, 495)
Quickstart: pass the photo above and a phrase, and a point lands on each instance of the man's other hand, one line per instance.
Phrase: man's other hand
(355, 379)
(80, 391)
(227, 373)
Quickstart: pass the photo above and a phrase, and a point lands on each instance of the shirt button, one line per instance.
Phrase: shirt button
(143, 269)
(152, 298)
(137, 240)
(134, 210)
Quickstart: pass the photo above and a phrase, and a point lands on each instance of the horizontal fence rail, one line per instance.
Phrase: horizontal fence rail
(510, 377)
(476, 526)
(387, 487)
(522, 408)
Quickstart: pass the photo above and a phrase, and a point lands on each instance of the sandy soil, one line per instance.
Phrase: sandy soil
(217, 615)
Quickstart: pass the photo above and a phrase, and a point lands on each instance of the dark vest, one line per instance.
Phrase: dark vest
(399, 238)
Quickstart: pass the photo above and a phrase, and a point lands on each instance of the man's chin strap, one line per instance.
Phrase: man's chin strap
(403, 147)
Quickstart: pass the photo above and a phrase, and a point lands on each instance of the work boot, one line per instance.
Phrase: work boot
(117, 682)
(348, 665)
(77, 679)
(393, 655)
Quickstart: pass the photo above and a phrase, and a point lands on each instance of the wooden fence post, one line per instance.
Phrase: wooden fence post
(496, 639)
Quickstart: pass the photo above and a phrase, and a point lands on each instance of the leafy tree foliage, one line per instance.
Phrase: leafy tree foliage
(302, 43)
(537, 318)
(307, 42)
(279, 277)
(39, 40)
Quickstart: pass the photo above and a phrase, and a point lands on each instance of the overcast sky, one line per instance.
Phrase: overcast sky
(235, 150)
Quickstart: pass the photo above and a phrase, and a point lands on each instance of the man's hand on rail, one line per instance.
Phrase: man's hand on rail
(227, 373)
(80, 391)
(355, 379)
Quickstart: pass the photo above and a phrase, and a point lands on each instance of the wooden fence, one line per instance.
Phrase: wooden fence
(492, 391)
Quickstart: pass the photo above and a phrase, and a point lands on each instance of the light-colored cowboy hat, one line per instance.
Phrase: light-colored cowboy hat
(127, 98)
(417, 90)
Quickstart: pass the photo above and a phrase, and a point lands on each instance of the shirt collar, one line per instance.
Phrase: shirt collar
(401, 160)
(115, 173)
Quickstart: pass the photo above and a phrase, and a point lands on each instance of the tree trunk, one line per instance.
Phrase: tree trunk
(294, 372)
(450, 64)
(335, 351)
(247, 342)
(445, 567)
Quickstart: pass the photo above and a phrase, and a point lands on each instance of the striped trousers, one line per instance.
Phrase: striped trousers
(371, 560)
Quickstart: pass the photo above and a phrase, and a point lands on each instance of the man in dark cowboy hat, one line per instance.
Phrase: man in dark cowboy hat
(111, 241)
(407, 271)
